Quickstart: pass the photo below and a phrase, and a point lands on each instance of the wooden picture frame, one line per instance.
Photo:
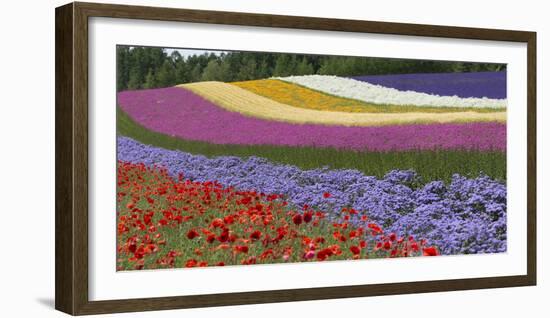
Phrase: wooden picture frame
(71, 124)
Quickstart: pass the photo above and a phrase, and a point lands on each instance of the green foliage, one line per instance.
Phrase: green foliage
(304, 68)
(431, 165)
(147, 67)
(212, 71)
(150, 80)
(166, 75)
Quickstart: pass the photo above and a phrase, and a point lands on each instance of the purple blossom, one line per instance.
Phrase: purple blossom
(465, 216)
(178, 112)
(475, 84)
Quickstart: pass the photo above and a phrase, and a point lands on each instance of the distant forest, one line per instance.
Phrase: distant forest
(148, 67)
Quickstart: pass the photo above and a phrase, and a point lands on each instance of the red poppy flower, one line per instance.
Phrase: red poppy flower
(430, 251)
(217, 223)
(147, 218)
(266, 253)
(308, 216)
(326, 195)
(375, 228)
(140, 252)
(191, 263)
(192, 234)
(241, 249)
(355, 250)
(251, 260)
(387, 245)
(224, 237)
(322, 255)
(122, 228)
(255, 235)
(228, 219)
(297, 219)
(151, 248)
(211, 238)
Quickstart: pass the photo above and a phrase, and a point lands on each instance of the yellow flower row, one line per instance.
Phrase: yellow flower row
(236, 99)
(299, 96)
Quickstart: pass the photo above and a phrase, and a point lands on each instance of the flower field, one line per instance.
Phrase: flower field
(398, 201)
(180, 112)
(166, 223)
(299, 96)
(475, 84)
(307, 168)
(367, 92)
(238, 100)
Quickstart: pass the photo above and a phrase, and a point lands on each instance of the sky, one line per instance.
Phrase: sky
(188, 52)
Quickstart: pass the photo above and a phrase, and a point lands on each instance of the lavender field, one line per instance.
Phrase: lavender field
(474, 84)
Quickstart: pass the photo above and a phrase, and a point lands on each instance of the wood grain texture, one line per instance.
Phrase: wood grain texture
(72, 157)
(64, 235)
(532, 159)
(80, 156)
(297, 22)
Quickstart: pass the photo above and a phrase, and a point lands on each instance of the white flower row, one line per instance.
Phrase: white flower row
(363, 91)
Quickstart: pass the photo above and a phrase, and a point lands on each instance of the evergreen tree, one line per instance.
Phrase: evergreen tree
(123, 73)
(282, 65)
(146, 67)
(183, 74)
(196, 73)
(212, 71)
(247, 71)
(304, 68)
(166, 75)
(135, 81)
(150, 80)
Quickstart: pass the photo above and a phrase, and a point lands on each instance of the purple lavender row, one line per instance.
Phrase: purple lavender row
(466, 216)
(179, 112)
(475, 84)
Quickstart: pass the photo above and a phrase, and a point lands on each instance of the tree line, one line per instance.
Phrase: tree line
(149, 67)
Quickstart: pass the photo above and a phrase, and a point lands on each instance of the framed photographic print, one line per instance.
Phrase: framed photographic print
(211, 158)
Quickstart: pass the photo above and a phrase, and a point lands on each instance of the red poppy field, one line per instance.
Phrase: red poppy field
(164, 222)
